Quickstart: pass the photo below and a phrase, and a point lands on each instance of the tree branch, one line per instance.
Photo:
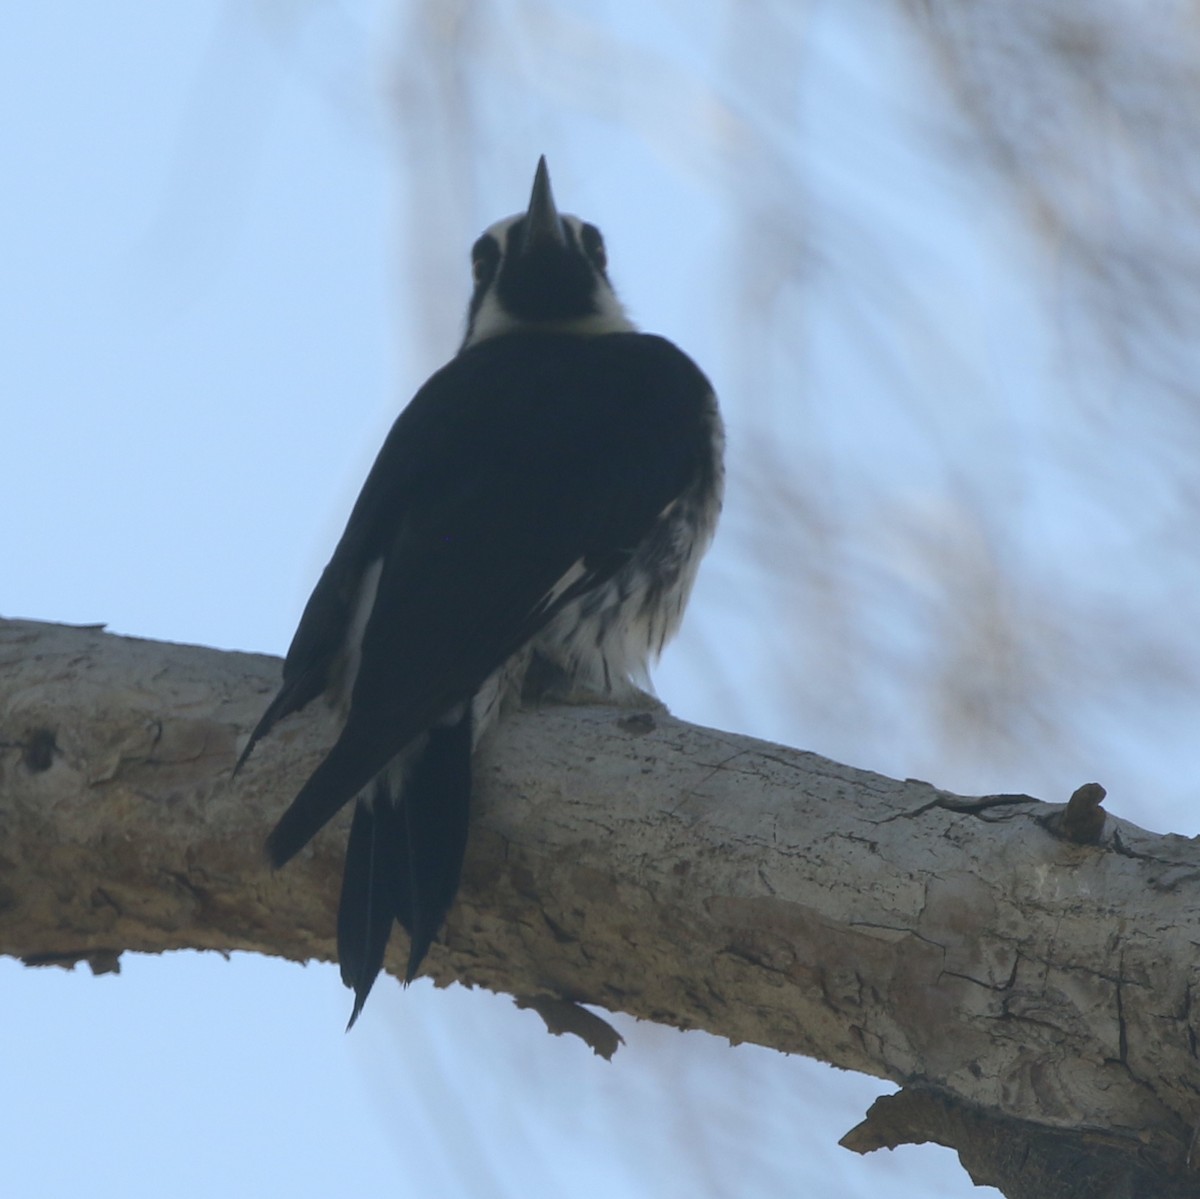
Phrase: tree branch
(1033, 994)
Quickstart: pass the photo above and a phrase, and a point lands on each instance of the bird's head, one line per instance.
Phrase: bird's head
(541, 269)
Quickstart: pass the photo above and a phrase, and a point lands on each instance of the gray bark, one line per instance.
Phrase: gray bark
(1034, 996)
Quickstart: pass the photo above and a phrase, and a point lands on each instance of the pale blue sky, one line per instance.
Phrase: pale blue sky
(211, 263)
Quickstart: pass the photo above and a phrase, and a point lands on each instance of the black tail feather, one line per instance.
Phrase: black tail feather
(404, 857)
(365, 913)
(437, 800)
(337, 780)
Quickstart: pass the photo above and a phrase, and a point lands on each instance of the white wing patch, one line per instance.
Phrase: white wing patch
(351, 654)
(570, 577)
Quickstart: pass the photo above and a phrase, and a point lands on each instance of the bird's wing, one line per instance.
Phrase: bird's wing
(316, 660)
(525, 472)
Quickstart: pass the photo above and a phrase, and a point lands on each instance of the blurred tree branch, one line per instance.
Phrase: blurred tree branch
(1033, 996)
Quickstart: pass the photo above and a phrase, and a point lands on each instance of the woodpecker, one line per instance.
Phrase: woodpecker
(531, 527)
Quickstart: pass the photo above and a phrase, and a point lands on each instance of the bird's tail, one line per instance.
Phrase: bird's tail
(404, 856)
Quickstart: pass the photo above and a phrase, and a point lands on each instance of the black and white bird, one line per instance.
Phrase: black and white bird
(532, 525)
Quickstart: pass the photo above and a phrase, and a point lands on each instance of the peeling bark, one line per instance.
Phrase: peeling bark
(1031, 993)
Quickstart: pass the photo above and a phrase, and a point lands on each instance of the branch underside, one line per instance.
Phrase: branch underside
(964, 948)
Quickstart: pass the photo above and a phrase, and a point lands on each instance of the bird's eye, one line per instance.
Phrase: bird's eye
(485, 254)
(593, 246)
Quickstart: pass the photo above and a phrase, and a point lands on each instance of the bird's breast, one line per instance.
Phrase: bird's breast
(604, 640)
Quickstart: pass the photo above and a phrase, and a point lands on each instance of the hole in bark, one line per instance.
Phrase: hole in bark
(39, 750)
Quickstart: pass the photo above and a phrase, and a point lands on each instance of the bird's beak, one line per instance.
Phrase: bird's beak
(543, 225)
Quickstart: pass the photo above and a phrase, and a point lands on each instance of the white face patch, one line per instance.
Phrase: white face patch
(491, 318)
